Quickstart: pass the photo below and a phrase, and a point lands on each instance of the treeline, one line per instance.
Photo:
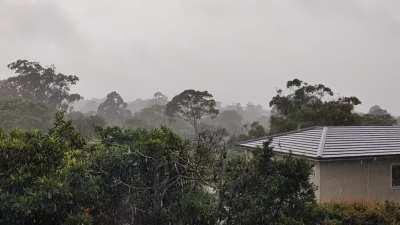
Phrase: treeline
(154, 177)
(31, 98)
(145, 177)
(171, 162)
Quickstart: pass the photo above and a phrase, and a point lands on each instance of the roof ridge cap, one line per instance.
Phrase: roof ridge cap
(322, 142)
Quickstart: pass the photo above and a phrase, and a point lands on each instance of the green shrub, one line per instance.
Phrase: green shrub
(387, 213)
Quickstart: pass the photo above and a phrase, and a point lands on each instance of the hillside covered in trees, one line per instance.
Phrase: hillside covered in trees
(164, 160)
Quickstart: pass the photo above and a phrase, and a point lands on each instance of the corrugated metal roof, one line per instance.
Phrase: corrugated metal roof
(335, 142)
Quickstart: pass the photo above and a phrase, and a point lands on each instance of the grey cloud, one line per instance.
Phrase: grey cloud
(239, 50)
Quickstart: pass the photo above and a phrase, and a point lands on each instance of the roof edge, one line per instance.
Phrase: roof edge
(240, 143)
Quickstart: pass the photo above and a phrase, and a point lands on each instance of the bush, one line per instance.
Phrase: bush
(265, 190)
(387, 213)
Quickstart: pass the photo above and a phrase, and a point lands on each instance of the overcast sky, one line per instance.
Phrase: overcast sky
(240, 50)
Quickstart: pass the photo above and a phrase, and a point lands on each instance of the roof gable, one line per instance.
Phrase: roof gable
(335, 142)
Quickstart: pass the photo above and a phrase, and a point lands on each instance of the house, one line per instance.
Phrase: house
(351, 163)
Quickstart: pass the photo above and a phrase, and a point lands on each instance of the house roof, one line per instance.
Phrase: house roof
(335, 142)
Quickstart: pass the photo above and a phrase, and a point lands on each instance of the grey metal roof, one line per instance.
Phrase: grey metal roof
(335, 142)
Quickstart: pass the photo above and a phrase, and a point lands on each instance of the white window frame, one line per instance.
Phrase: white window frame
(391, 176)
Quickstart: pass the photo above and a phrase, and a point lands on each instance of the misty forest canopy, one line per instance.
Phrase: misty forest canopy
(39, 84)
(31, 97)
(160, 162)
(304, 105)
(114, 109)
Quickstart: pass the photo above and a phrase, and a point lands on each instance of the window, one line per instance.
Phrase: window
(396, 175)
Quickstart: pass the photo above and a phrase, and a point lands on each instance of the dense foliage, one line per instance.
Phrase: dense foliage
(147, 177)
(144, 172)
(25, 114)
(386, 213)
(378, 116)
(305, 105)
(39, 84)
(35, 185)
(269, 191)
(86, 124)
(141, 177)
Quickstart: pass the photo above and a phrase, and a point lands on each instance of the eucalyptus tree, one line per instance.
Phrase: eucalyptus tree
(377, 116)
(304, 105)
(114, 109)
(192, 106)
(40, 84)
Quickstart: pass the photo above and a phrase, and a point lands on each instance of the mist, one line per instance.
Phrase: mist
(241, 51)
(199, 112)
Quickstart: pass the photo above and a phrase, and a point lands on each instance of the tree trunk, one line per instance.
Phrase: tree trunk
(196, 128)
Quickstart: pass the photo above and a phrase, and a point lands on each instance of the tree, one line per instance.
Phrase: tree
(372, 120)
(37, 177)
(272, 191)
(160, 99)
(376, 110)
(378, 117)
(212, 153)
(86, 125)
(308, 105)
(192, 106)
(231, 120)
(113, 109)
(40, 84)
(148, 118)
(256, 130)
(150, 177)
(24, 114)
(253, 112)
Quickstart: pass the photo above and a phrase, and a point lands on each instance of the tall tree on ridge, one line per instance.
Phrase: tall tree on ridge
(113, 109)
(306, 105)
(40, 84)
(159, 98)
(192, 106)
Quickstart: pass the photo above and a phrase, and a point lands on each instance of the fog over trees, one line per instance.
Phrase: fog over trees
(36, 92)
(163, 160)
(199, 112)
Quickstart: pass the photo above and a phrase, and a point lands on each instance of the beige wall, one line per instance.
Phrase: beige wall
(355, 180)
(315, 178)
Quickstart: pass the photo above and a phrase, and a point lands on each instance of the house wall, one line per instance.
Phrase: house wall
(356, 180)
(315, 178)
